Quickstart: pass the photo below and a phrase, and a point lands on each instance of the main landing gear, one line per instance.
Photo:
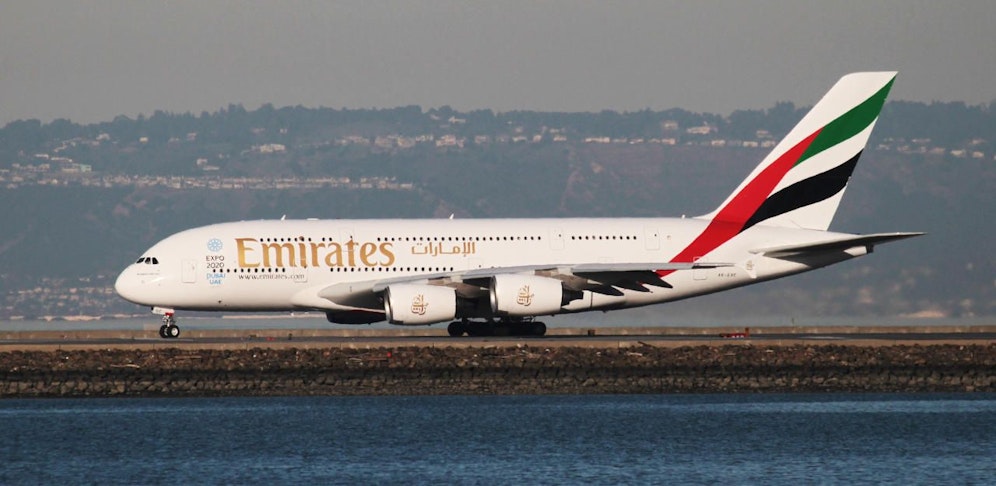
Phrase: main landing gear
(169, 329)
(496, 328)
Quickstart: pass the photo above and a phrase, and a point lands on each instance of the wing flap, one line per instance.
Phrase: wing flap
(632, 280)
(651, 267)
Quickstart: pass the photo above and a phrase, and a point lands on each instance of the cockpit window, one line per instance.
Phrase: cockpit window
(148, 260)
(140, 260)
(155, 261)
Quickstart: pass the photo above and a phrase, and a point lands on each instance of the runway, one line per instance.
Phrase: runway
(436, 337)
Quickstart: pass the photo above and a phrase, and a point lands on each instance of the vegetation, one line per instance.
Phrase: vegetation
(928, 168)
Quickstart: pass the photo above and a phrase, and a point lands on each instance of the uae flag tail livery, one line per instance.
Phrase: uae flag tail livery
(498, 276)
(801, 182)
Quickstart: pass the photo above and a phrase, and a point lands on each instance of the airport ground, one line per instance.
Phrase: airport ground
(422, 361)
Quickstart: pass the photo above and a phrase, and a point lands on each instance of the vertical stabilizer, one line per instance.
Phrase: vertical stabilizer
(801, 182)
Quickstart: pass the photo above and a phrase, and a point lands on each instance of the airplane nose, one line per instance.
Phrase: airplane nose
(128, 285)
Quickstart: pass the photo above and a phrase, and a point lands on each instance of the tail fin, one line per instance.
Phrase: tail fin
(801, 182)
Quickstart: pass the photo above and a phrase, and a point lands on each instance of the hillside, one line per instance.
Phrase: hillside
(70, 226)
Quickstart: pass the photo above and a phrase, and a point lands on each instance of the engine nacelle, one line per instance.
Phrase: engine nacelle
(413, 305)
(525, 295)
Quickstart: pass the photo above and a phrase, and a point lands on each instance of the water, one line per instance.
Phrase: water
(786, 439)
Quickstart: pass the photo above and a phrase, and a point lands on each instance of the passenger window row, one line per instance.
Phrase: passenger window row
(602, 237)
(391, 269)
(460, 238)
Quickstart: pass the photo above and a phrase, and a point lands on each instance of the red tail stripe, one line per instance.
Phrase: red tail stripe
(731, 218)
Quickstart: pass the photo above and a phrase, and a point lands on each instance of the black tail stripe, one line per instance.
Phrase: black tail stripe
(805, 192)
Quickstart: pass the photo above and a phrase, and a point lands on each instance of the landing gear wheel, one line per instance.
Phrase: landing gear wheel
(496, 328)
(480, 329)
(538, 329)
(456, 329)
(169, 329)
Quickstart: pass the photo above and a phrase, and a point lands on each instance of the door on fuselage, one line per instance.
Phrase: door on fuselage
(556, 239)
(189, 271)
(652, 238)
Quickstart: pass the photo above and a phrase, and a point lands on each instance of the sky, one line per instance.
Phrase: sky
(90, 61)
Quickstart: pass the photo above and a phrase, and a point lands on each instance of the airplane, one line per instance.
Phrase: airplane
(498, 276)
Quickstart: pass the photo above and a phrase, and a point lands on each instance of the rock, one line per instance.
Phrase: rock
(173, 372)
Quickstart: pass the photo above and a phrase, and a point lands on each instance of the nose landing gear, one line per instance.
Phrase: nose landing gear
(169, 329)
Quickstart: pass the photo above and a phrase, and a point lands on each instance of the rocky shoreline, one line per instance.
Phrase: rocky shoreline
(516, 369)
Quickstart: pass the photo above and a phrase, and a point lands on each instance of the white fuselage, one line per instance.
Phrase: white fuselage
(279, 265)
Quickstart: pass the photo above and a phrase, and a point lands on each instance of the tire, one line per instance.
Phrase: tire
(480, 329)
(538, 329)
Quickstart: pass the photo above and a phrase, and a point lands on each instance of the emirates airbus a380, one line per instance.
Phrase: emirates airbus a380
(499, 275)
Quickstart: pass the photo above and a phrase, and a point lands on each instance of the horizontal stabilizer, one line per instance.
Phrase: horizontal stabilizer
(839, 244)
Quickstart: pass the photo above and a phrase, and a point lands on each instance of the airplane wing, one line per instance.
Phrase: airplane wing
(838, 244)
(604, 278)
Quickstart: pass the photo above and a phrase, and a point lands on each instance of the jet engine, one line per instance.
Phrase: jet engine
(413, 305)
(527, 295)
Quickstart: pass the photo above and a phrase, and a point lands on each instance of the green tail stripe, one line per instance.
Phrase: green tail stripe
(849, 124)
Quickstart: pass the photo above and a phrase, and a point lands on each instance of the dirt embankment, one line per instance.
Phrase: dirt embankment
(497, 370)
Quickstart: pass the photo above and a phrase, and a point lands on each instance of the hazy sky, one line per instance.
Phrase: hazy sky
(93, 60)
